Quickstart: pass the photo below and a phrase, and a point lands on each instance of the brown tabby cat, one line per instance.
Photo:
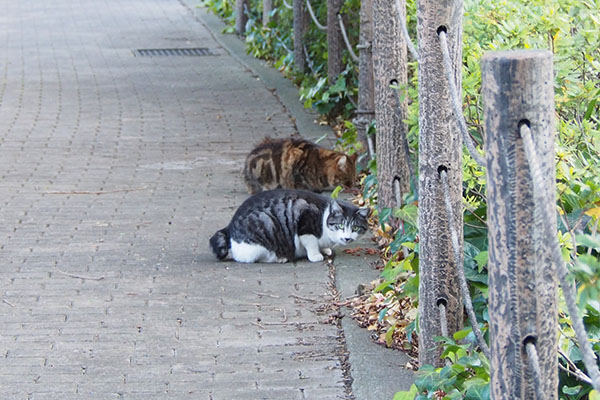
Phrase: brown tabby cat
(296, 163)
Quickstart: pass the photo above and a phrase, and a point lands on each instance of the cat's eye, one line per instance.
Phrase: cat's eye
(355, 228)
(340, 226)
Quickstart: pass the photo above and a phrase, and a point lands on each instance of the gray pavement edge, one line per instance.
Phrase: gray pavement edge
(377, 372)
(273, 80)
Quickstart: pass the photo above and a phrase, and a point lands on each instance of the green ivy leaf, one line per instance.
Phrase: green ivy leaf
(409, 214)
(572, 390)
(426, 378)
(589, 241)
(478, 392)
(382, 314)
(591, 107)
(389, 335)
(407, 395)
(481, 259)
(340, 85)
(463, 333)
(336, 192)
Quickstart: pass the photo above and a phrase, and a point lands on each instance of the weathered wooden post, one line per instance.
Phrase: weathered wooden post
(241, 15)
(299, 26)
(389, 67)
(335, 41)
(440, 148)
(518, 88)
(267, 8)
(366, 92)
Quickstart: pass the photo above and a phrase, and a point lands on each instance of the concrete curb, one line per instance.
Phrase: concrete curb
(377, 372)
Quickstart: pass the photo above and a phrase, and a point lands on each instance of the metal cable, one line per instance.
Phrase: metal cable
(534, 366)
(309, 62)
(397, 194)
(409, 44)
(282, 42)
(569, 289)
(371, 145)
(443, 319)
(314, 18)
(456, 102)
(364, 122)
(405, 147)
(287, 5)
(444, 325)
(460, 271)
(343, 28)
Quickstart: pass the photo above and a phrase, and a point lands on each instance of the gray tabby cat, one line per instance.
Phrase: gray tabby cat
(283, 225)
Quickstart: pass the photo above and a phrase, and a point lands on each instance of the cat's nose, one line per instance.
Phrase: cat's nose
(347, 240)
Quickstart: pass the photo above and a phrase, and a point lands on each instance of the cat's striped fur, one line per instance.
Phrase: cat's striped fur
(296, 163)
(283, 225)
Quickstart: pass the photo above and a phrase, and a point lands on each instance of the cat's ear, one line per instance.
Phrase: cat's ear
(353, 158)
(335, 207)
(364, 212)
(342, 162)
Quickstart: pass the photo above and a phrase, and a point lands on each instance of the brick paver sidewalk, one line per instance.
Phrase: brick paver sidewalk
(114, 172)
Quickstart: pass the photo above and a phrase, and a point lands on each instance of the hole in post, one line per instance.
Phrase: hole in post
(523, 122)
(394, 82)
(442, 302)
(529, 339)
(442, 28)
(442, 168)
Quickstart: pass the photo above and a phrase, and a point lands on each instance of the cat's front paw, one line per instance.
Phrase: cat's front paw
(315, 257)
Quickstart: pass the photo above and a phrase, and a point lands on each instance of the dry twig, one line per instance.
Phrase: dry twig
(265, 294)
(302, 298)
(8, 302)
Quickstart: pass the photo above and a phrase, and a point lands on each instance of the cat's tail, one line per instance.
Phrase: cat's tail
(220, 244)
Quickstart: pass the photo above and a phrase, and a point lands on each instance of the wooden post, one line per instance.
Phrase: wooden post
(389, 67)
(267, 8)
(366, 90)
(241, 16)
(299, 26)
(518, 88)
(335, 41)
(440, 148)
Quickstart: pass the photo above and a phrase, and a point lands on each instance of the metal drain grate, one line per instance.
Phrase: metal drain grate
(193, 52)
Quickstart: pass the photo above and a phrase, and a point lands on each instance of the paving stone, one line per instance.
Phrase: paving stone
(114, 172)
